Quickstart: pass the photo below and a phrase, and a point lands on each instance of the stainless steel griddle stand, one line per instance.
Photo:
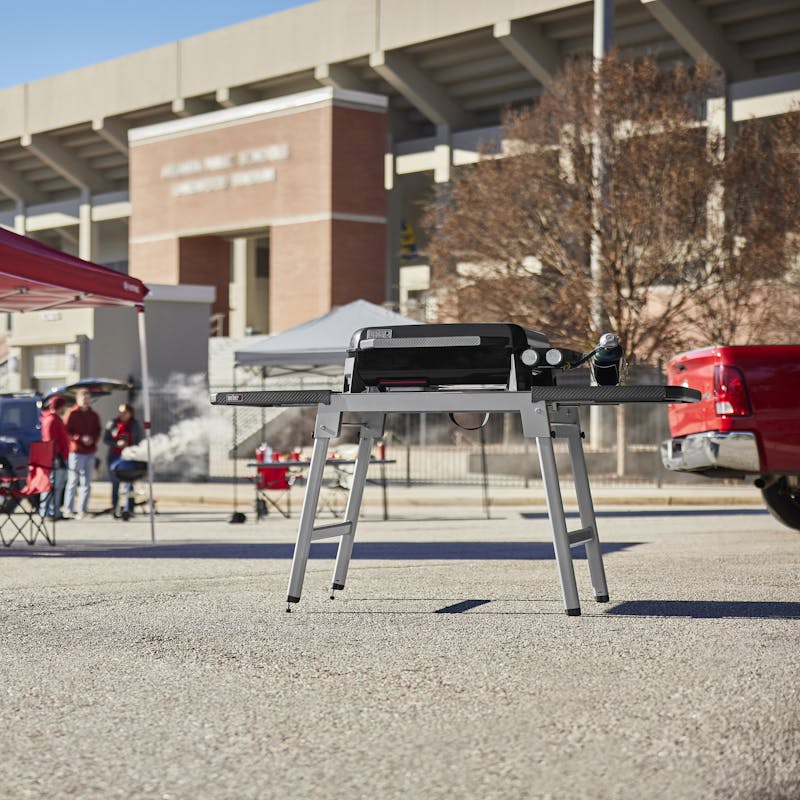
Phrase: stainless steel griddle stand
(547, 413)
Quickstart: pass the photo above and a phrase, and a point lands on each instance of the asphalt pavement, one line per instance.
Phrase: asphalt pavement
(447, 667)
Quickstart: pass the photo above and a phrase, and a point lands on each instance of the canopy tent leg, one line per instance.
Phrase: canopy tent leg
(237, 517)
(146, 422)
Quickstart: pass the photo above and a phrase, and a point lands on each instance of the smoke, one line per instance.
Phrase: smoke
(192, 429)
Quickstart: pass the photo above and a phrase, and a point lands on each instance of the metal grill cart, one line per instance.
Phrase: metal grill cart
(385, 380)
(547, 413)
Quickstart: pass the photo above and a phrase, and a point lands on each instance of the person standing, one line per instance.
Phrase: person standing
(53, 430)
(84, 431)
(122, 432)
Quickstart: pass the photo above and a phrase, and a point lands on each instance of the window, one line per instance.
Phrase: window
(262, 258)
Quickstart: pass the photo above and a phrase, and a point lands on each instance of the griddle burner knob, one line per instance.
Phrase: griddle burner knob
(554, 357)
(529, 358)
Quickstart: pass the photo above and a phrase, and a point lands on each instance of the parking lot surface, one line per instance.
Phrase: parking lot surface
(445, 669)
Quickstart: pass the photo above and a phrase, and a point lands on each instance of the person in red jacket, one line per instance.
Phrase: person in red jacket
(53, 430)
(84, 431)
(121, 432)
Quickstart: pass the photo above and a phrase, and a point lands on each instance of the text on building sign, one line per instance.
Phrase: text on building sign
(195, 170)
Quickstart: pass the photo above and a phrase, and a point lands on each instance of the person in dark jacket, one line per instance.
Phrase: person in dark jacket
(84, 431)
(53, 430)
(121, 432)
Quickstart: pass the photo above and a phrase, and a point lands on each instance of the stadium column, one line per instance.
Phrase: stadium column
(394, 213)
(20, 218)
(237, 320)
(599, 416)
(87, 235)
(443, 154)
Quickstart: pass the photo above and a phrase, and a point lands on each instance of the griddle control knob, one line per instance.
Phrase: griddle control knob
(529, 358)
(554, 357)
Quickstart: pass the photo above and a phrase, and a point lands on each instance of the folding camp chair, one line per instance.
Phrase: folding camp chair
(20, 515)
(273, 488)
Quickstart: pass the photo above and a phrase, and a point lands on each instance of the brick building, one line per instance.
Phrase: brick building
(285, 161)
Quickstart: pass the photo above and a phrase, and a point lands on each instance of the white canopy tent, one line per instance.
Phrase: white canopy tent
(320, 342)
(316, 346)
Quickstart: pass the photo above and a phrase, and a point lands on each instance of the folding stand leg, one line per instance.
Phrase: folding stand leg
(369, 431)
(588, 520)
(308, 513)
(558, 522)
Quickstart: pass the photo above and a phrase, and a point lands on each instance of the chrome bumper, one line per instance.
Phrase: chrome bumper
(712, 450)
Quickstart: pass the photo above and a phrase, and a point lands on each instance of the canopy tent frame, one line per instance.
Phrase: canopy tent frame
(35, 277)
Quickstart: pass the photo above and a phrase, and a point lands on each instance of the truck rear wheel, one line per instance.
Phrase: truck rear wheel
(783, 501)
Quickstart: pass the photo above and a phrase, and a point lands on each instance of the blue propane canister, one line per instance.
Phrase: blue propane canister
(606, 360)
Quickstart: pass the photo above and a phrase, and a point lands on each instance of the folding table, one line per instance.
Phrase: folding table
(295, 468)
(546, 412)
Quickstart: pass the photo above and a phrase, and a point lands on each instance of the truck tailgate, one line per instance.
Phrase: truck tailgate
(694, 370)
(772, 377)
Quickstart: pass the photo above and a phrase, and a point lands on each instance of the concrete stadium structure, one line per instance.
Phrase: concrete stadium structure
(283, 161)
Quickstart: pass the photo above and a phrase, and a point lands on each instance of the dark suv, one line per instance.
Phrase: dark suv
(20, 425)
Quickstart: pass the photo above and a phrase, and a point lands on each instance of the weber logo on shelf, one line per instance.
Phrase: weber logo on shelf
(233, 398)
(378, 333)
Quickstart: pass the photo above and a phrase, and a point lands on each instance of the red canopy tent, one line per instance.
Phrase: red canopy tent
(34, 277)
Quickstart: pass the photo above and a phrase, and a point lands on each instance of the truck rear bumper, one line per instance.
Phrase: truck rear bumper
(712, 450)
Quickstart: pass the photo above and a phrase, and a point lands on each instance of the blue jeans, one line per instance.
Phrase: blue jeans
(49, 502)
(81, 468)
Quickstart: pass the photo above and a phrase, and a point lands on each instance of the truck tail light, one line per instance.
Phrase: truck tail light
(730, 392)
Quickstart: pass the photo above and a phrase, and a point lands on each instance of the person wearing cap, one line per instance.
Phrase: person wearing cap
(53, 430)
(84, 431)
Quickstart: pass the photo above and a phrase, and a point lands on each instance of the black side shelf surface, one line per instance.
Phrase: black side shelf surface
(306, 397)
(615, 394)
(581, 395)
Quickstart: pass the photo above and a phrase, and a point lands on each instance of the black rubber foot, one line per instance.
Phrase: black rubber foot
(337, 587)
(573, 612)
(601, 598)
(291, 599)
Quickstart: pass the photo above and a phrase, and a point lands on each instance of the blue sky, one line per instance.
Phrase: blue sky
(44, 37)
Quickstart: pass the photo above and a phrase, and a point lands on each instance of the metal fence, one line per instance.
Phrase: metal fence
(193, 440)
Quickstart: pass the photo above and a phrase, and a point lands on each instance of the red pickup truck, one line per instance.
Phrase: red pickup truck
(747, 424)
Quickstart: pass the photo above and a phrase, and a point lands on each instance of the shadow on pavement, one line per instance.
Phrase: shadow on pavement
(708, 609)
(460, 608)
(381, 551)
(693, 609)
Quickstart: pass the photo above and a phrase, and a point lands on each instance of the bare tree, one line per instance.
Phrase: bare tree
(511, 238)
(750, 290)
